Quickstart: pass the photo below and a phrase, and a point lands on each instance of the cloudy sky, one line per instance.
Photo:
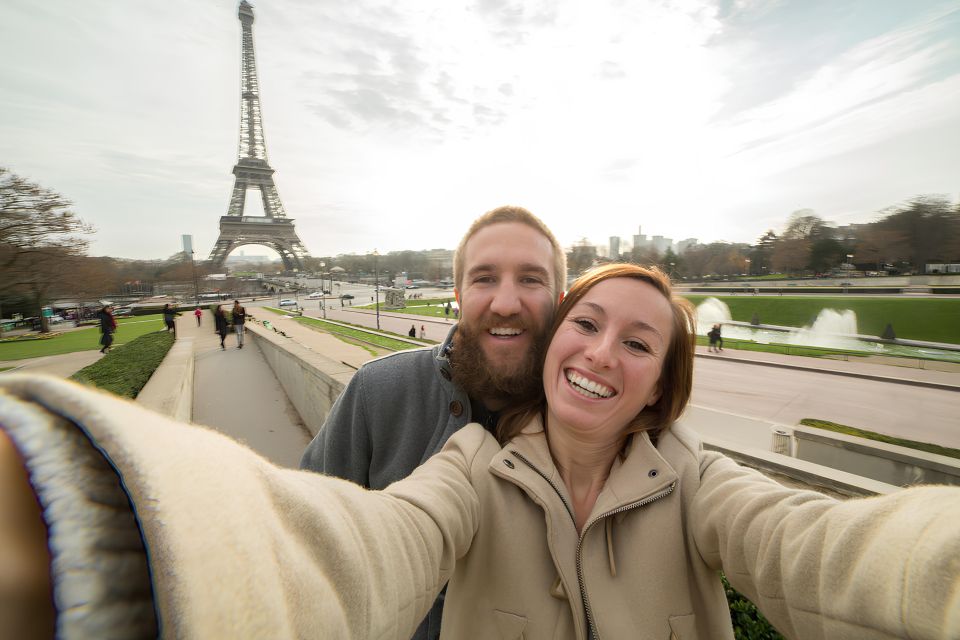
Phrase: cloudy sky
(392, 125)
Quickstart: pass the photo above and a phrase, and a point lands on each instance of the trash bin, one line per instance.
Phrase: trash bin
(781, 442)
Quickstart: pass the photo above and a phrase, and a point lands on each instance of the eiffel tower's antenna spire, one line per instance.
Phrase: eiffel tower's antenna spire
(252, 171)
(252, 142)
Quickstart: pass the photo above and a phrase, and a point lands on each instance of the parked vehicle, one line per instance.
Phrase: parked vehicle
(347, 296)
(287, 302)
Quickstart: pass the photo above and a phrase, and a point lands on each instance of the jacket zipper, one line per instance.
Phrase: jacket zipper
(591, 630)
(583, 585)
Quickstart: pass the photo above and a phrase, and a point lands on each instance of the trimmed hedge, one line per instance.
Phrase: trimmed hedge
(748, 622)
(127, 368)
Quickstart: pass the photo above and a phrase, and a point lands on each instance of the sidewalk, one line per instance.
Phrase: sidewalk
(62, 366)
(236, 392)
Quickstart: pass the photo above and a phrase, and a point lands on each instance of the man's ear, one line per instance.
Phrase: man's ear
(456, 294)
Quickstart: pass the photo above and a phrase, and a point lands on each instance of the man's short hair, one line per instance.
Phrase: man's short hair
(510, 213)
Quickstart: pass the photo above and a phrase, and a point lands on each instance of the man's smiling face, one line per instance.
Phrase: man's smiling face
(507, 299)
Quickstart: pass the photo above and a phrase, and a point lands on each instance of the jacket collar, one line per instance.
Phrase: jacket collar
(642, 475)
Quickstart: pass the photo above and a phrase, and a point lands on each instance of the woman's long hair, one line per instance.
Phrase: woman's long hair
(676, 377)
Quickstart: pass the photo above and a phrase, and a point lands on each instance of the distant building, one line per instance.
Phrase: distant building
(614, 251)
(661, 244)
(240, 258)
(683, 245)
(187, 244)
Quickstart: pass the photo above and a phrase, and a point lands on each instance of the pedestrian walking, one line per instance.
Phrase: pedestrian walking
(108, 326)
(413, 331)
(220, 324)
(239, 319)
(198, 313)
(169, 314)
(716, 341)
(423, 331)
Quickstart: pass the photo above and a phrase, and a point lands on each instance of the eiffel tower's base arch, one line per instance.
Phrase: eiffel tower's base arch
(276, 233)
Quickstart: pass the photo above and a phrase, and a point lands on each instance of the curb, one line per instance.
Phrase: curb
(170, 389)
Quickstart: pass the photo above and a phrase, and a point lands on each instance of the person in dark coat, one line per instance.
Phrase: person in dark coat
(413, 331)
(169, 314)
(716, 342)
(108, 325)
(220, 324)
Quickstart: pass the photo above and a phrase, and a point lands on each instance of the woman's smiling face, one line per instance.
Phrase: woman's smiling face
(604, 362)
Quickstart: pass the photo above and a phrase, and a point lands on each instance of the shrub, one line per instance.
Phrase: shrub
(748, 622)
(127, 368)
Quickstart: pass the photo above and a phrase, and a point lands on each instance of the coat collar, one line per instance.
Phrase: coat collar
(526, 461)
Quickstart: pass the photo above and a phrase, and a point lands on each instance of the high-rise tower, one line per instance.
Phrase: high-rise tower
(252, 171)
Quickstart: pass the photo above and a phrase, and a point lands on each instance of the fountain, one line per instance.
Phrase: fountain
(832, 329)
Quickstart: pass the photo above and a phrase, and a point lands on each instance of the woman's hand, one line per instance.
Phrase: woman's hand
(26, 592)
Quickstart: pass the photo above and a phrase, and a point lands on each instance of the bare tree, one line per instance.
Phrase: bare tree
(40, 239)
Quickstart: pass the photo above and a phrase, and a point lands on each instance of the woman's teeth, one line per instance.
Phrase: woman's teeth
(588, 388)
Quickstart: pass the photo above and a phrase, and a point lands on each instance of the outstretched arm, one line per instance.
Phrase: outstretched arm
(239, 547)
(881, 567)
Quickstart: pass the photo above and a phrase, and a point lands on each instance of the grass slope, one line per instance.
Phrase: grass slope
(879, 437)
(932, 319)
(345, 332)
(126, 369)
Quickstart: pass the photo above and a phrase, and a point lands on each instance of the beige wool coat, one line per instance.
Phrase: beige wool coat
(239, 548)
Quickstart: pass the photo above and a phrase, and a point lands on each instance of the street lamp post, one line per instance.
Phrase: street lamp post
(196, 291)
(323, 295)
(376, 286)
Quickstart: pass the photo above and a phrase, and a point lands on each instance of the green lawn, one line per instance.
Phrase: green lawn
(430, 307)
(84, 339)
(935, 320)
(126, 369)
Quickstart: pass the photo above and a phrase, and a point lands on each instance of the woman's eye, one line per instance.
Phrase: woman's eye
(586, 325)
(636, 345)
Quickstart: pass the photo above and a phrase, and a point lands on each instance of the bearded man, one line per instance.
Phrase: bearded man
(398, 410)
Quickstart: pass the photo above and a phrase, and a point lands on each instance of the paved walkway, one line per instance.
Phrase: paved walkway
(236, 392)
(62, 366)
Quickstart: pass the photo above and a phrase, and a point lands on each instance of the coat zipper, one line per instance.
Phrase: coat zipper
(591, 631)
(583, 585)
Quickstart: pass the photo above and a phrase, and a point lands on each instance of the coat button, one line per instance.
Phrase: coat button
(445, 373)
(456, 408)
(653, 473)
(508, 463)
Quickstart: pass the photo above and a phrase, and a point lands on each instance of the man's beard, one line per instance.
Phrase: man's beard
(482, 379)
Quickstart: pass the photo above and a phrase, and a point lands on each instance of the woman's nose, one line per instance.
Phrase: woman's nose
(600, 352)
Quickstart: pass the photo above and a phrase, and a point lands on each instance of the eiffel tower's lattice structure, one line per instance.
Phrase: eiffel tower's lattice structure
(252, 171)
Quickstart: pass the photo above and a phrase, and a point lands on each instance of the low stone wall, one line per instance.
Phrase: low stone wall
(170, 389)
(877, 460)
(804, 473)
(311, 381)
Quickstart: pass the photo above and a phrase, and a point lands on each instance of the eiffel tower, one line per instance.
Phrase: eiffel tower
(252, 171)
